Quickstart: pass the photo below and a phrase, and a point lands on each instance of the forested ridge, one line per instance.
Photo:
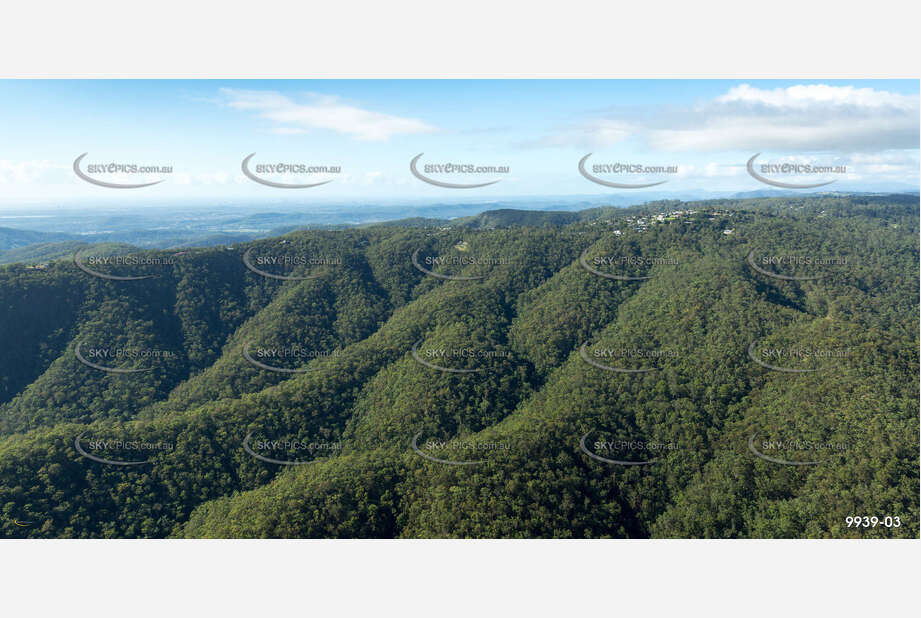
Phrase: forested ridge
(718, 369)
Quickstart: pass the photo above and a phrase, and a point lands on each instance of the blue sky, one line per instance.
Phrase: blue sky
(373, 128)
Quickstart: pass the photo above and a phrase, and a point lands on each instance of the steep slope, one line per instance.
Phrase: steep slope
(560, 381)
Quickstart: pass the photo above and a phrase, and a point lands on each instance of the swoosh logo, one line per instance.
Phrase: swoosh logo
(249, 265)
(751, 355)
(95, 273)
(751, 262)
(783, 462)
(283, 462)
(22, 523)
(111, 462)
(278, 185)
(440, 276)
(774, 183)
(108, 185)
(253, 361)
(588, 360)
(415, 354)
(606, 275)
(607, 183)
(618, 462)
(88, 363)
(438, 183)
(415, 446)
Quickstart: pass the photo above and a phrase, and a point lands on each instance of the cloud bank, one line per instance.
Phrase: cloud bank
(321, 112)
(806, 118)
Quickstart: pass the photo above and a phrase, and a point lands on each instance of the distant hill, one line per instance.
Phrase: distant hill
(49, 251)
(507, 217)
(12, 238)
(213, 240)
(46, 251)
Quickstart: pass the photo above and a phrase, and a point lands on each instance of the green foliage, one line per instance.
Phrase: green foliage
(505, 382)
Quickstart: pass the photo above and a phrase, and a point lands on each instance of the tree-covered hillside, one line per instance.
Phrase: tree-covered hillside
(730, 368)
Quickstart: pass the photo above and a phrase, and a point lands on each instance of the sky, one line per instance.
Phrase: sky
(372, 129)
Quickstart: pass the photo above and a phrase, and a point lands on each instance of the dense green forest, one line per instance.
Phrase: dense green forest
(716, 369)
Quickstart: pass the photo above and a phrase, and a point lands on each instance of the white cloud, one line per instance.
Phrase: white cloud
(288, 131)
(595, 133)
(710, 170)
(818, 95)
(807, 118)
(322, 112)
(26, 171)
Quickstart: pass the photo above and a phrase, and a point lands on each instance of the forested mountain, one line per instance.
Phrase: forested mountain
(728, 368)
(43, 252)
(12, 238)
